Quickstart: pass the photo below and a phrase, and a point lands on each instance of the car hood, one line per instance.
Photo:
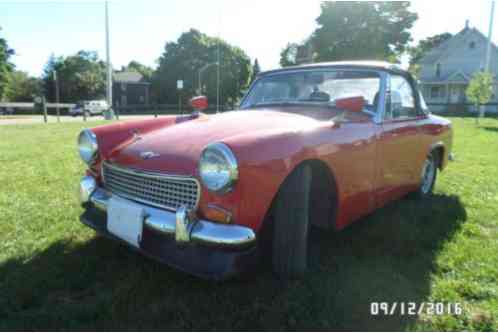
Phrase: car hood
(176, 148)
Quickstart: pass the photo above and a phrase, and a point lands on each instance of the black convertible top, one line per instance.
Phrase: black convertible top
(378, 65)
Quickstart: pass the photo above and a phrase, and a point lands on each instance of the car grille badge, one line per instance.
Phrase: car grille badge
(146, 155)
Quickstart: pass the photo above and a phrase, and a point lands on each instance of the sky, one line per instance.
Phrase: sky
(140, 29)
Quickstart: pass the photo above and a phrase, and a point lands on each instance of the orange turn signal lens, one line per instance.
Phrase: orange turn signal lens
(217, 214)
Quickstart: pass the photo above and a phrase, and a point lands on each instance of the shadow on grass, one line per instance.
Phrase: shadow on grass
(490, 128)
(99, 285)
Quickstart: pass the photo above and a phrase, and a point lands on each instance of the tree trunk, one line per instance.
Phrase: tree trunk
(478, 114)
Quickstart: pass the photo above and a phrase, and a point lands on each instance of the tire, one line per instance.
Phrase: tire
(428, 176)
(291, 222)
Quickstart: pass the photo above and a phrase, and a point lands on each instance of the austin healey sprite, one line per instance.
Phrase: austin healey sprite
(318, 145)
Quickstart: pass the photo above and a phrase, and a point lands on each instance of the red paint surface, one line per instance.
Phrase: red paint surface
(371, 163)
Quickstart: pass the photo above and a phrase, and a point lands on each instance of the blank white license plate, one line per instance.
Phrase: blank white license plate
(125, 220)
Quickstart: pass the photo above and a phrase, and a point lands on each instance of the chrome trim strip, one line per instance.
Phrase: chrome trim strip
(197, 231)
(153, 175)
(383, 91)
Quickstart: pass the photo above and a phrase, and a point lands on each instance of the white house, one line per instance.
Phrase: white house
(446, 70)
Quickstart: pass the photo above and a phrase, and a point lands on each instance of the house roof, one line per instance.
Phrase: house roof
(128, 77)
(445, 48)
(453, 77)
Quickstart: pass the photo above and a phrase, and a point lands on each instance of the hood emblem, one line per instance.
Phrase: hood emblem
(146, 155)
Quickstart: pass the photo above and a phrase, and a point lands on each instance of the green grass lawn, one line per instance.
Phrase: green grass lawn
(57, 274)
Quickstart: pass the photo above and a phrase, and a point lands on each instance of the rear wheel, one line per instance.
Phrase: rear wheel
(291, 224)
(428, 175)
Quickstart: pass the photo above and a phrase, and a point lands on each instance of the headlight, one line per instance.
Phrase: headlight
(87, 145)
(218, 168)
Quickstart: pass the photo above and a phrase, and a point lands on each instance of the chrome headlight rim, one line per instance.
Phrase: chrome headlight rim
(89, 153)
(231, 163)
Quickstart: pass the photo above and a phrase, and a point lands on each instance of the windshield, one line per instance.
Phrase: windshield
(314, 87)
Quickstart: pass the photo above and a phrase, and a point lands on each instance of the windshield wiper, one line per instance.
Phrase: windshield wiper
(282, 103)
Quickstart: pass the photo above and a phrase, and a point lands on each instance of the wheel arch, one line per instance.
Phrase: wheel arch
(440, 151)
(323, 213)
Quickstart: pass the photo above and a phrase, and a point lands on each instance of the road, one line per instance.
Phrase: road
(27, 120)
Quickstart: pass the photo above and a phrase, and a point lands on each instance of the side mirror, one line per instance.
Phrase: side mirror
(199, 103)
(353, 104)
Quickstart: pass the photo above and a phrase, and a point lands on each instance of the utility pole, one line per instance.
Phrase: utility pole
(44, 106)
(201, 70)
(490, 35)
(218, 70)
(57, 97)
(218, 80)
(108, 60)
(488, 51)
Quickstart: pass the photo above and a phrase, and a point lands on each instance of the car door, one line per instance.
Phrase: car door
(399, 146)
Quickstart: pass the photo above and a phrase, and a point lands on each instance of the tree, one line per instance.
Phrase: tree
(480, 90)
(81, 77)
(6, 67)
(354, 30)
(288, 56)
(22, 87)
(255, 70)
(182, 60)
(426, 45)
(135, 66)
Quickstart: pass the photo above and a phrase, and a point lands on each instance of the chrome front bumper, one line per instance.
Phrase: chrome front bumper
(182, 224)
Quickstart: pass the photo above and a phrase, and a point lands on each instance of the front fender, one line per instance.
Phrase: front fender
(265, 159)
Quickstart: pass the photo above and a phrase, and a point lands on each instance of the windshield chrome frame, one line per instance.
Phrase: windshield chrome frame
(383, 77)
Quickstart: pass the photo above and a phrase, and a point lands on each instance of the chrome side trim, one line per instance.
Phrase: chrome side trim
(191, 230)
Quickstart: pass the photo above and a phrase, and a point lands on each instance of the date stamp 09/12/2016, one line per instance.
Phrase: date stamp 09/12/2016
(414, 309)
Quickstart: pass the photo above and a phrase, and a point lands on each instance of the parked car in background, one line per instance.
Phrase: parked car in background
(89, 108)
(7, 111)
(319, 145)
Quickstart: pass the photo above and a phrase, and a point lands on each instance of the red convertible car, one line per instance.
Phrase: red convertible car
(316, 145)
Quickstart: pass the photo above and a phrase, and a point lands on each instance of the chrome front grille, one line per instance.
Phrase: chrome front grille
(154, 189)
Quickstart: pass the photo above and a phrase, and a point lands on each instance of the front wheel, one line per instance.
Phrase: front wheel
(290, 234)
(428, 176)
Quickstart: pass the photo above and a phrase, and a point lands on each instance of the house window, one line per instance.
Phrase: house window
(438, 70)
(435, 92)
(472, 45)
